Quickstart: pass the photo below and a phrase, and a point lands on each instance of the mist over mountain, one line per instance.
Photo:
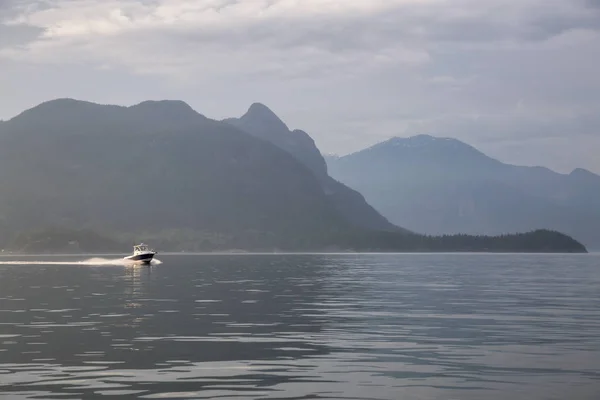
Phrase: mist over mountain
(262, 123)
(152, 167)
(441, 185)
(81, 176)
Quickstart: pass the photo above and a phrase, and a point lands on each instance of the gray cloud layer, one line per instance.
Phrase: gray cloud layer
(517, 79)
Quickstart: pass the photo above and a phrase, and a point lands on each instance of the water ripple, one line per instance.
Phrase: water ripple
(299, 327)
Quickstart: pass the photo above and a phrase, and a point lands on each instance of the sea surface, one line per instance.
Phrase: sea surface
(374, 326)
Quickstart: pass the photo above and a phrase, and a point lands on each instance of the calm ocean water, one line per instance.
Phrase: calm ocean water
(303, 327)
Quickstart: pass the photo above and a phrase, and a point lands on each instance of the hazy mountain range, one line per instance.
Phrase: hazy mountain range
(441, 185)
(151, 167)
(262, 123)
(162, 172)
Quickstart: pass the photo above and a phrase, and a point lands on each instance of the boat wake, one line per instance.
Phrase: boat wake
(97, 261)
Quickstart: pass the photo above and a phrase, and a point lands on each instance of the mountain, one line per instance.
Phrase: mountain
(330, 158)
(537, 241)
(78, 177)
(442, 185)
(259, 121)
(155, 166)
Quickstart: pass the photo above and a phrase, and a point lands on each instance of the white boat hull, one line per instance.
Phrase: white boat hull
(144, 258)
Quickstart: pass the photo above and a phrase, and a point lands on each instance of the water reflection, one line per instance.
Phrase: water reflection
(201, 320)
(364, 327)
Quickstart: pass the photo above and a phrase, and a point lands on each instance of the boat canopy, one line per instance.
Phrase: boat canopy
(140, 248)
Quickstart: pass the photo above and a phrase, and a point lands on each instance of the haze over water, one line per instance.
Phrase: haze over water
(429, 326)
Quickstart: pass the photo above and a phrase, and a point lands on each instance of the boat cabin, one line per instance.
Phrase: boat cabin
(140, 248)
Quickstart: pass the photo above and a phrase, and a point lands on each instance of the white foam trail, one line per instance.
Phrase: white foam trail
(97, 261)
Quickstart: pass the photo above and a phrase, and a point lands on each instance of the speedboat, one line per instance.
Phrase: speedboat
(141, 254)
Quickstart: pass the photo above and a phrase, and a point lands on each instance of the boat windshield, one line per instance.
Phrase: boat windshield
(141, 247)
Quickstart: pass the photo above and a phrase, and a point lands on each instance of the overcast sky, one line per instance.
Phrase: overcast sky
(516, 78)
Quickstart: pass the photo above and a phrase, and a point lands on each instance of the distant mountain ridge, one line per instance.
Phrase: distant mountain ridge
(262, 123)
(442, 185)
(158, 165)
(79, 176)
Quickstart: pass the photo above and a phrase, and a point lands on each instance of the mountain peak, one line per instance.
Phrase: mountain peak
(423, 147)
(174, 108)
(421, 140)
(61, 103)
(582, 173)
(260, 115)
(259, 108)
(59, 108)
(164, 103)
(423, 137)
(64, 101)
(428, 139)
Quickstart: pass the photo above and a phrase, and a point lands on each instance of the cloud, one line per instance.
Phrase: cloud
(284, 37)
(163, 37)
(11, 36)
(351, 72)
